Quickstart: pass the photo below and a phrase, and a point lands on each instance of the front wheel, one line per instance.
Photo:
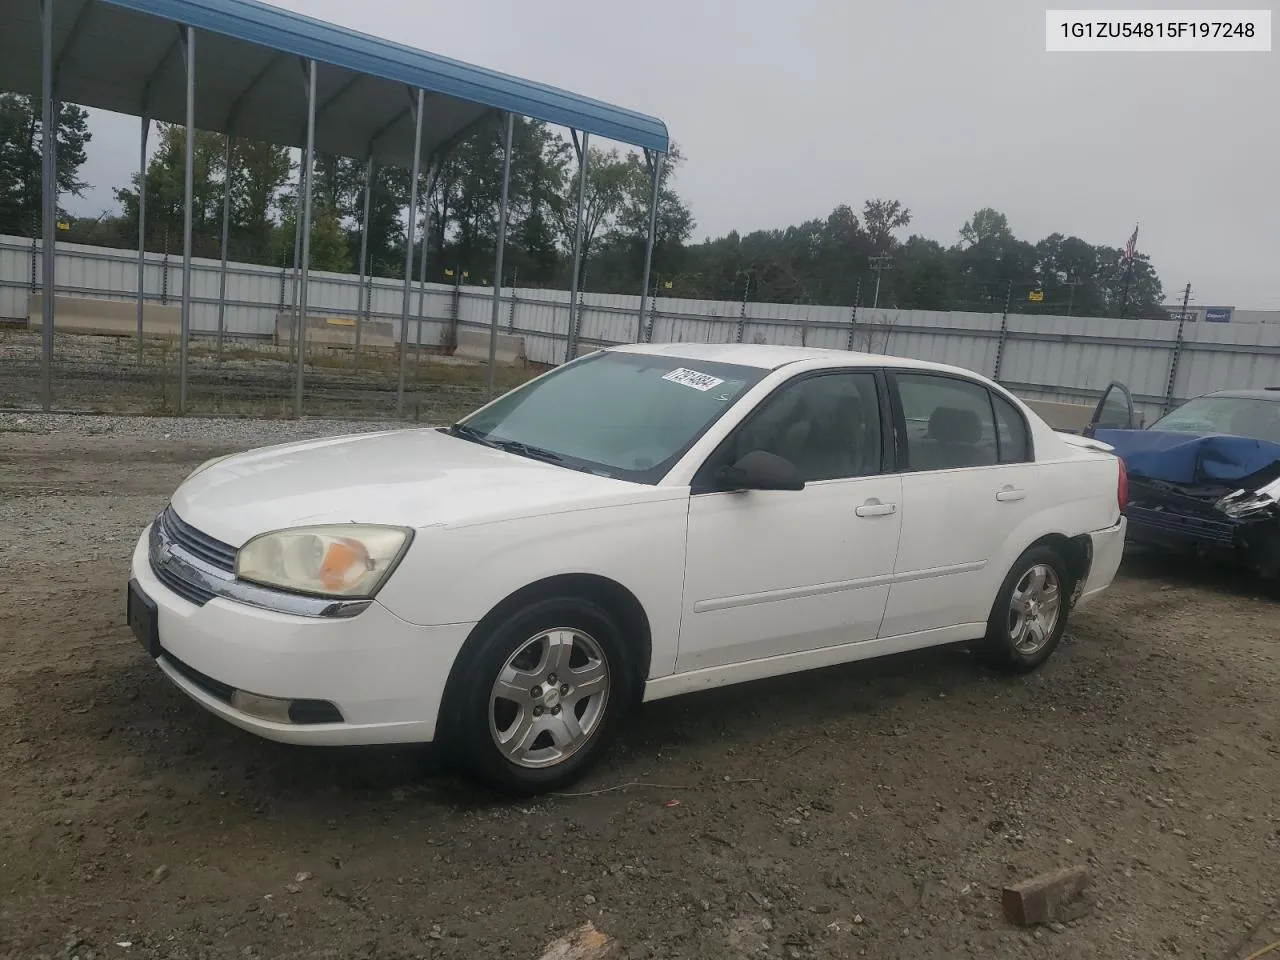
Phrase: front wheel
(1030, 613)
(541, 695)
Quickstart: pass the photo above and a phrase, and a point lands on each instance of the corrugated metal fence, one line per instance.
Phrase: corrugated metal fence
(1068, 359)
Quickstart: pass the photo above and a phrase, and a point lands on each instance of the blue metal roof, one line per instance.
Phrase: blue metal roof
(123, 55)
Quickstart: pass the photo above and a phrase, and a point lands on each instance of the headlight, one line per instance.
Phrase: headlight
(338, 560)
(206, 465)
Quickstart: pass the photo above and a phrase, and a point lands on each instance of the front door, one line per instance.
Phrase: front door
(1114, 411)
(770, 573)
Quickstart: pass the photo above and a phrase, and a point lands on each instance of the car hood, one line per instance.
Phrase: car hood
(1189, 458)
(414, 478)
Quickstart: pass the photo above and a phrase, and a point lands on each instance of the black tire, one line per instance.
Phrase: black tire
(468, 701)
(999, 647)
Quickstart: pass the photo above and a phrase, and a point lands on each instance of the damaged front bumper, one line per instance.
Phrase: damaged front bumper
(1208, 519)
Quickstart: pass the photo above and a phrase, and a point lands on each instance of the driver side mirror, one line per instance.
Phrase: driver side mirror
(760, 470)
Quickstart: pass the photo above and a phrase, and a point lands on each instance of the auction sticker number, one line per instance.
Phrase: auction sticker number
(692, 378)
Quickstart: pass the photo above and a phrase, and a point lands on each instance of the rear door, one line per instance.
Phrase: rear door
(969, 480)
(1115, 411)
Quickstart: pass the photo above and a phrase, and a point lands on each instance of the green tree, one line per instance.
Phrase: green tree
(609, 176)
(260, 171)
(21, 139)
(882, 218)
(166, 192)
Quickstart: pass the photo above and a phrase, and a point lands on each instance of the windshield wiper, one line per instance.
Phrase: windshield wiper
(525, 450)
(463, 432)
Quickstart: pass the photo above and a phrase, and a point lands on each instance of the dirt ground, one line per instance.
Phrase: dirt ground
(875, 810)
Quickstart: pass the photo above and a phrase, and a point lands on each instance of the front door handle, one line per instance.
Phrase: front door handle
(874, 508)
(1009, 495)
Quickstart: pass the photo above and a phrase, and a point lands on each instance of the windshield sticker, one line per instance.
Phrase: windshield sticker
(692, 378)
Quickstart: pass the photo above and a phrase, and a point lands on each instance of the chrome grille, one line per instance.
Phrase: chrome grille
(177, 550)
(199, 545)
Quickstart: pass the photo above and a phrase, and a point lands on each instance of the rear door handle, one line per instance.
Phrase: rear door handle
(874, 508)
(1009, 494)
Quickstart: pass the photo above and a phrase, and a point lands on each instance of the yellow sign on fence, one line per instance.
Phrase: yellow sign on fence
(1036, 295)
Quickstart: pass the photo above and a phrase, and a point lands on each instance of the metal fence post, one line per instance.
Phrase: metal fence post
(226, 236)
(1004, 333)
(653, 319)
(742, 312)
(455, 307)
(1177, 354)
(853, 317)
(511, 313)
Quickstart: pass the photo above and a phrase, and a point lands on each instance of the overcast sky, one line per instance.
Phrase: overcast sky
(785, 110)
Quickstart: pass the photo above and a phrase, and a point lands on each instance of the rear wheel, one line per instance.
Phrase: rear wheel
(540, 695)
(1030, 612)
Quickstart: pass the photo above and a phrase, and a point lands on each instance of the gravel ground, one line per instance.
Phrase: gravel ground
(874, 810)
(255, 378)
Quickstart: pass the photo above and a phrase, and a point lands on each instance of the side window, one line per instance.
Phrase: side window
(949, 423)
(828, 426)
(1114, 411)
(1015, 444)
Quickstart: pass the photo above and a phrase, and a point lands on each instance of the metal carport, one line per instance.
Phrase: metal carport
(246, 69)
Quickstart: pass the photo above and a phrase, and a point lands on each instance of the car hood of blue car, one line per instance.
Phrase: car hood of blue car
(1189, 458)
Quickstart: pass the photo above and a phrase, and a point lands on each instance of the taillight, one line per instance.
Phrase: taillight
(1122, 486)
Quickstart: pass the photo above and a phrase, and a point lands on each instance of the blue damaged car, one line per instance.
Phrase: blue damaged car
(1205, 477)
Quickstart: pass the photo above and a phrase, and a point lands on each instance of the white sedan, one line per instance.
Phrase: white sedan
(645, 521)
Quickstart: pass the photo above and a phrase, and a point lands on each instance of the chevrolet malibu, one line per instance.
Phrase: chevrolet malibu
(645, 521)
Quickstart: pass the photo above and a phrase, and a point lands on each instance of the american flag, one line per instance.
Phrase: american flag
(1131, 247)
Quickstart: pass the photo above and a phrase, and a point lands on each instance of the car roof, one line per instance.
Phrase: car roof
(1266, 393)
(767, 356)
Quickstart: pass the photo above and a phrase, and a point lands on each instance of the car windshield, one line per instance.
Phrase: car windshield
(1238, 416)
(617, 414)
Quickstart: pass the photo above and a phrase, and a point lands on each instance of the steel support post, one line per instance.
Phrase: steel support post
(364, 256)
(584, 162)
(655, 161)
(308, 162)
(410, 226)
(421, 261)
(188, 190)
(142, 227)
(49, 203)
(297, 260)
(226, 230)
(489, 379)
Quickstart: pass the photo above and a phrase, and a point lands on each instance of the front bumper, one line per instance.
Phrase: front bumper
(385, 676)
(1108, 551)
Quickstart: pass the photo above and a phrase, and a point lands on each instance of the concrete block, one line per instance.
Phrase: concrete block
(1071, 417)
(338, 331)
(473, 344)
(1044, 899)
(105, 318)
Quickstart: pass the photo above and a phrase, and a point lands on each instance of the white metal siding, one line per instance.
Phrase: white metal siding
(1056, 358)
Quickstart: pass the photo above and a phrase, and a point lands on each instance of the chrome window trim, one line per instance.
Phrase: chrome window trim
(165, 554)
